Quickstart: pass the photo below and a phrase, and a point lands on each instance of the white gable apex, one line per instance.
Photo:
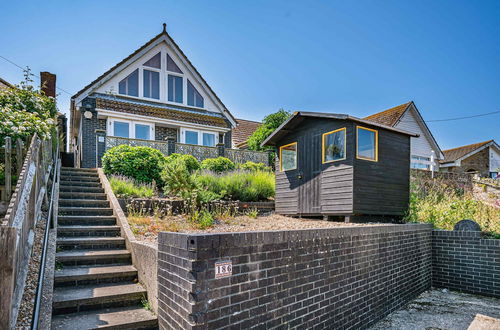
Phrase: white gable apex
(163, 44)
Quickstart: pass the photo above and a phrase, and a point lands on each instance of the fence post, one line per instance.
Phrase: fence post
(8, 237)
(19, 155)
(8, 169)
(221, 149)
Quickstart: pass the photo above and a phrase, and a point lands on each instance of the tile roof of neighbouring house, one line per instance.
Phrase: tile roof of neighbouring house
(242, 131)
(452, 155)
(144, 108)
(5, 83)
(390, 116)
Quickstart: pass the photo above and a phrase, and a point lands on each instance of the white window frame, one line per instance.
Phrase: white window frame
(131, 127)
(200, 135)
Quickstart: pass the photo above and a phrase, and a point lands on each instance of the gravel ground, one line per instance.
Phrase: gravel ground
(27, 303)
(237, 224)
(442, 309)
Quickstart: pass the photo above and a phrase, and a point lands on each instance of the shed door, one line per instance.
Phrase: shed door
(309, 164)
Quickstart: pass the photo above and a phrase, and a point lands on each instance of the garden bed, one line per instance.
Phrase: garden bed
(147, 228)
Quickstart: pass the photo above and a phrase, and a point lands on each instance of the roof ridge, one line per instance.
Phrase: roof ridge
(479, 144)
(397, 106)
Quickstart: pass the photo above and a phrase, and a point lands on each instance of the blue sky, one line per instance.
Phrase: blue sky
(355, 57)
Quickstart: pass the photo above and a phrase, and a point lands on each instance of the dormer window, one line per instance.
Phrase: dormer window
(130, 84)
(193, 97)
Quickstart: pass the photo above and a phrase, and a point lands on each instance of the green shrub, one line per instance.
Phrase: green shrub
(143, 164)
(218, 165)
(252, 166)
(124, 187)
(239, 185)
(202, 218)
(191, 163)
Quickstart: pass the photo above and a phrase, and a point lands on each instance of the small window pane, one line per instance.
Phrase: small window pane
(152, 84)
(367, 144)
(193, 97)
(288, 157)
(334, 146)
(209, 139)
(142, 132)
(171, 66)
(174, 89)
(191, 137)
(130, 84)
(120, 129)
(154, 62)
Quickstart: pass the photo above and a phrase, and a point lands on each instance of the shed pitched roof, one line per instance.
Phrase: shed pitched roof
(391, 116)
(242, 131)
(454, 154)
(291, 122)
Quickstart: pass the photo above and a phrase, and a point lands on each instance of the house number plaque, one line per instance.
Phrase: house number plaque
(223, 268)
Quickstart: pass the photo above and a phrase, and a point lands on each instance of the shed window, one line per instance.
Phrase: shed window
(130, 84)
(367, 144)
(288, 157)
(334, 147)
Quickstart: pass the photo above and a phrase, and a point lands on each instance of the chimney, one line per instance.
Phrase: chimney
(48, 83)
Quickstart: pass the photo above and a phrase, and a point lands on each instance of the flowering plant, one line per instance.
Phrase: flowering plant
(25, 111)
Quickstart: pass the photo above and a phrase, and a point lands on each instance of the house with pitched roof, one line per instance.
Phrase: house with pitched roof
(481, 158)
(425, 151)
(153, 97)
(242, 132)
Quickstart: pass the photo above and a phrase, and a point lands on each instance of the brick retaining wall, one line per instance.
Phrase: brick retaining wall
(326, 278)
(463, 261)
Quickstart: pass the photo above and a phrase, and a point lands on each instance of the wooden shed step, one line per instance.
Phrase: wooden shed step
(111, 318)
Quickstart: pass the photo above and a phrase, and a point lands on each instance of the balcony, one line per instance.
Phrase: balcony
(238, 156)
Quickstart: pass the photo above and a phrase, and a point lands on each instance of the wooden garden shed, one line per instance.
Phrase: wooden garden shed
(339, 165)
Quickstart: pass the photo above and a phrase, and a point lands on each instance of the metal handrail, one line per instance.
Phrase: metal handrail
(38, 294)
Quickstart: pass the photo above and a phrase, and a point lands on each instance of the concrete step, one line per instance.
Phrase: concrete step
(81, 189)
(93, 257)
(98, 296)
(79, 231)
(82, 195)
(115, 318)
(63, 202)
(74, 169)
(85, 275)
(80, 178)
(79, 220)
(65, 183)
(90, 242)
(88, 211)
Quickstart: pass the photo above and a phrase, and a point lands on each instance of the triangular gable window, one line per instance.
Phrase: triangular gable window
(193, 97)
(154, 62)
(171, 66)
(130, 84)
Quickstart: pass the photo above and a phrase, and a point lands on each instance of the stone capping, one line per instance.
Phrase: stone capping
(144, 256)
(203, 241)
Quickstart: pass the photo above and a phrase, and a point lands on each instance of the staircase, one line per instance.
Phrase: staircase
(95, 283)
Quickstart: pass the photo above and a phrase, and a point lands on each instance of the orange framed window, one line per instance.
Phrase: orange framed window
(288, 157)
(366, 143)
(334, 146)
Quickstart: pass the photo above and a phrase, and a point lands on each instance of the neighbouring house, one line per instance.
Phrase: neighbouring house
(154, 97)
(242, 132)
(338, 165)
(5, 84)
(479, 158)
(425, 151)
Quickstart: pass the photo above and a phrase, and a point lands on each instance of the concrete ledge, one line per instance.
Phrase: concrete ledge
(144, 256)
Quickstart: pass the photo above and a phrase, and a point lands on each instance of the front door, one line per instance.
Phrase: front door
(309, 165)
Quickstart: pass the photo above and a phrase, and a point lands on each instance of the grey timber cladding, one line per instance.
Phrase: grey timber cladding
(347, 186)
(339, 278)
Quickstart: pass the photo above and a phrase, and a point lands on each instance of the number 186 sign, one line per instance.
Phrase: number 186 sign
(223, 268)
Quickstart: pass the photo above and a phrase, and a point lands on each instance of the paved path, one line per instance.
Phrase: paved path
(443, 309)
